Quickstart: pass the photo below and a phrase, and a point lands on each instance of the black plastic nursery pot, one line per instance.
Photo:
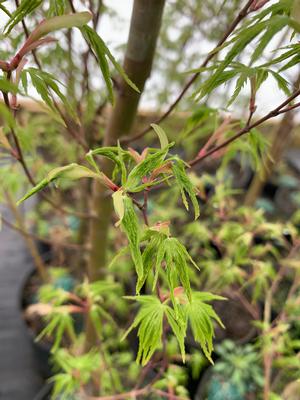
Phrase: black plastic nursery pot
(41, 349)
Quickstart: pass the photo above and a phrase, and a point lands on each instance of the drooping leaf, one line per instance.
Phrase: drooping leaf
(261, 76)
(72, 171)
(161, 135)
(150, 322)
(90, 158)
(118, 67)
(176, 265)
(246, 74)
(282, 83)
(200, 316)
(178, 327)
(176, 259)
(102, 53)
(149, 255)
(276, 24)
(240, 83)
(219, 78)
(57, 324)
(130, 226)
(43, 82)
(92, 38)
(186, 186)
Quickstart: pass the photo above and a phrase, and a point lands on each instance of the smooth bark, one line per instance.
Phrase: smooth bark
(144, 31)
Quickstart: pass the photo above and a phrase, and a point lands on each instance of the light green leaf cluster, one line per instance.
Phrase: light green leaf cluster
(166, 255)
(144, 168)
(151, 325)
(150, 322)
(252, 150)
(67, 381)
(200, 316)
(152, 257)
(265, 25)
(176, 257)
(57, 323)
(50, 294)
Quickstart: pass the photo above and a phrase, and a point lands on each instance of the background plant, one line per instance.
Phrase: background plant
(170, 293)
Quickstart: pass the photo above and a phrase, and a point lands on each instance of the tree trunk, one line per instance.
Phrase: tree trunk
(144, 30)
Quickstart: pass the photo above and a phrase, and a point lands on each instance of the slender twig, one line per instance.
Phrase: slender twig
(18, 155)
(290, 108)
(145, 206)
(31, 245)
(141, 208)
(144, 373)
(282, 108)
(236, 294)
(69, 127)
(24, 232)
(242, 14)
(122, 396)
(168, 395)
(25, 29)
